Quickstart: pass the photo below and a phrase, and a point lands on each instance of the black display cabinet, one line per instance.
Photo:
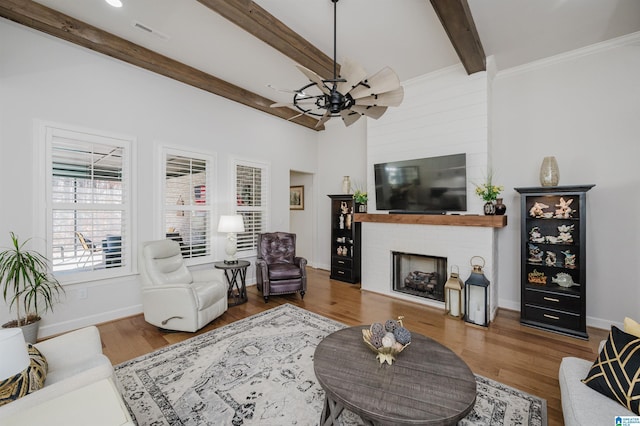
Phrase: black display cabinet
(553, 258)
(345, 239)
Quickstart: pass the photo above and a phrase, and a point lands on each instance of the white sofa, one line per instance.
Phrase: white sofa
(79, 389)
(581, 405)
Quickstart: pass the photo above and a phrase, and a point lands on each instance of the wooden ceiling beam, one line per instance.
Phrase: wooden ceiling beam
(42, 18)
(457, 21)
(255, 20)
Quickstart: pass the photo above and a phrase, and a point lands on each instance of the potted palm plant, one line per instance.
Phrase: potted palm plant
(27, 286)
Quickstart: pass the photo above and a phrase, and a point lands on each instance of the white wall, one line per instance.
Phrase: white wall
(583, 108)
(44, 78)
(443, 113)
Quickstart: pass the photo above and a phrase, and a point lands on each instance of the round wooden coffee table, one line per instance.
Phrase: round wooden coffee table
(428, 384)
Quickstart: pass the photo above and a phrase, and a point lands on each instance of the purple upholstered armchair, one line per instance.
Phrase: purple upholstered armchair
(278, 270)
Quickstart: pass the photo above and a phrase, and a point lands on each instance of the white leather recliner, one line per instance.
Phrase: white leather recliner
(173, 297)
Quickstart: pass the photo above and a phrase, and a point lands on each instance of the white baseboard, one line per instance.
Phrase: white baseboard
(65, 326)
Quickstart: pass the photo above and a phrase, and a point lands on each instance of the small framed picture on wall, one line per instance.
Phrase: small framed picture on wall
(296, 198)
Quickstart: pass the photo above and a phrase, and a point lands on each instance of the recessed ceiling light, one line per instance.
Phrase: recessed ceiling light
(114, 3)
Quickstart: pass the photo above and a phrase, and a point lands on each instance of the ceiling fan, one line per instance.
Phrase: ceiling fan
(350, 95)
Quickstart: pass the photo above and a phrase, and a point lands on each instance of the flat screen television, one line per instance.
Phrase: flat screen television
(433, 185)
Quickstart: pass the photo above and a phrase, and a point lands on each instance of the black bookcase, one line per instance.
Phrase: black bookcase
(553, 258)
(345, 240)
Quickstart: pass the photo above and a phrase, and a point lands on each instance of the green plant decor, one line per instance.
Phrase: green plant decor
(360, 197)
(488, 191)
(359, 194)
(26, 283)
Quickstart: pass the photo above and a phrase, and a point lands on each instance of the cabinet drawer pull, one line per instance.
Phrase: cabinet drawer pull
(341, 273)
(341, 262)
(551, 299)
(553, 317)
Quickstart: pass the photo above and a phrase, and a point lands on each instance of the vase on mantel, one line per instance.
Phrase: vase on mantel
(500, 208)
(489, 208)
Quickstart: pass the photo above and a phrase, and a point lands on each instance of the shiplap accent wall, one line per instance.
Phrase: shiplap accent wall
(442, 113)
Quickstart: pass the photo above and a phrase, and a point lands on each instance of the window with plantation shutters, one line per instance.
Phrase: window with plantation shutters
(187, 201)
(89, 205)
(251, 202)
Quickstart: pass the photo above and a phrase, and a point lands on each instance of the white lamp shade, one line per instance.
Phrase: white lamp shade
(233, 223)
(13, 352)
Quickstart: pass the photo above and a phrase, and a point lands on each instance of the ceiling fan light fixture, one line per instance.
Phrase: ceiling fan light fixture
(350, 95)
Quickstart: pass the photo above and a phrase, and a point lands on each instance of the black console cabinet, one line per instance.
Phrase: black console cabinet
(553, 258)
(345, 240)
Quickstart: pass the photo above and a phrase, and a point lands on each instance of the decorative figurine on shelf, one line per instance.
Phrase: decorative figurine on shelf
(348, 221)
(569, 259)
(341, 221)
(537, 277)
(550, 239)
(563, 210)
(535, 235)
(565, 233)
(344, 209)
(563, 280)
(550, 260)
(535, 254)
(538, 209)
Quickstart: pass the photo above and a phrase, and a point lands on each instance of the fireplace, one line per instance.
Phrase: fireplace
(419, 275)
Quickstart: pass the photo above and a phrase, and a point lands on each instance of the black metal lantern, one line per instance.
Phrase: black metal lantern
(453, 294)
(476, 296)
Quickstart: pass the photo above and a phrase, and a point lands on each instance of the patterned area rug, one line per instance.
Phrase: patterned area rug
(259, 371)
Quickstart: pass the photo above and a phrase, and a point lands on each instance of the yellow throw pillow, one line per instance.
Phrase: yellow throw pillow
(631, 327)
(29, 380)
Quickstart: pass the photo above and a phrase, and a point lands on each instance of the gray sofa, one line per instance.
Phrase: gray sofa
(581, 405)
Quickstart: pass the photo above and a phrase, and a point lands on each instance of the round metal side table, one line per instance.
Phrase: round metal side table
(237, 293)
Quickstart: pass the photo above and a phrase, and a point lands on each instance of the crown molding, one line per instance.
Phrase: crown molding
(571, 55)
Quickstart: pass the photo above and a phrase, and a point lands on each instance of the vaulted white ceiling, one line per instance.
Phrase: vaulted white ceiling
(403, 34)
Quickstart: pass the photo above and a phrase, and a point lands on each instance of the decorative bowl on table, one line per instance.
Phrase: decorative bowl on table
(387, 340)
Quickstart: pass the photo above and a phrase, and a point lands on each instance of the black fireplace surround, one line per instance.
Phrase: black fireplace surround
(419, 275)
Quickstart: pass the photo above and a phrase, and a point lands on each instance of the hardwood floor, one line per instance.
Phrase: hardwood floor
(519, 356)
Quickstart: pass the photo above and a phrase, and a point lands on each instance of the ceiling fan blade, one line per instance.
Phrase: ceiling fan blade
(392, 98)
(374, 112)
(324, 119)
(271, 86)
(383, 81)
(349, 117)
(315, 78)
(353, 73)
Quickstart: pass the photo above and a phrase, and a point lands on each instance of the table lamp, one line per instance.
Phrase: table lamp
(231, 225)
(13, 352)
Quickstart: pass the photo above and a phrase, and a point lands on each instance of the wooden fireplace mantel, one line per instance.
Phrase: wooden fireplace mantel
(435, 219)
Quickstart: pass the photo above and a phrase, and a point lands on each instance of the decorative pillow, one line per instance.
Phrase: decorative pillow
(631, 327)
(29, 380)
(616, 371)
